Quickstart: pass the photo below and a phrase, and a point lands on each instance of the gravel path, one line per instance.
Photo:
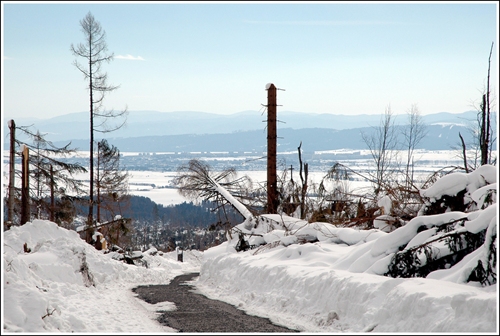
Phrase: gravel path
(197, 313)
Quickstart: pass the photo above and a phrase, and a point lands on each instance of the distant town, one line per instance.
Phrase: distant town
(317, 161)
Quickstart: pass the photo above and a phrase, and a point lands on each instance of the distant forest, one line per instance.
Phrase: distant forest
(185, 215)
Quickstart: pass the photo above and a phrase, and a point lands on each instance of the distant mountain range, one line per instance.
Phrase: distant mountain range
(185, 131)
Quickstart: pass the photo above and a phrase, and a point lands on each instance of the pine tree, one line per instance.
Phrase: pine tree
(54, 188)
(111, 180)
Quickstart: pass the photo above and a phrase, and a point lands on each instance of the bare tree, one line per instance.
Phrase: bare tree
(94, 52)
(413, 133)
(382, 143)
(485, 129)
(481, 149)
(304, 176)
(468, 148)
(464, 152)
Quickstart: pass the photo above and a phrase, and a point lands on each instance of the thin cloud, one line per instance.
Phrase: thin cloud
(130, 58)
(322, 23)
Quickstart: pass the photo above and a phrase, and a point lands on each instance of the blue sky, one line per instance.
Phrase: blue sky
(340, 58)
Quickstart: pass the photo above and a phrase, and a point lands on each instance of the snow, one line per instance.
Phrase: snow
(44, 290)
(385, 203)
(314, 277)
(453, 183)
(299, 286)
(240, 207)
(315, 287)
(385, 221)
(480, 194)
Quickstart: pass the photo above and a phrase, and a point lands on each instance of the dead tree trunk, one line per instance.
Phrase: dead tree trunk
(464, 153)
(52, 199)
(272, 194)
(25, 204)
(98, 185)
(304, 184)
(485, 127)
(10, 200)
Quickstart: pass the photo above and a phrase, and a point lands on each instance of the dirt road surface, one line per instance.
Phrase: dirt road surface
(197, 313)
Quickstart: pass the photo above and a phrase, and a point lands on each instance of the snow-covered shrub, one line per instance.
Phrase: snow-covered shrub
(437, 242)
(441, 244)
(456, 191)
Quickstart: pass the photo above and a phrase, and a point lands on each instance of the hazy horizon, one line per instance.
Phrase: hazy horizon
(9, 117)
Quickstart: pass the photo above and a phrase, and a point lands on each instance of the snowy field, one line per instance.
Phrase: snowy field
(141, 182)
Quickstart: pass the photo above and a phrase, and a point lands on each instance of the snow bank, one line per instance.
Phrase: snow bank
(63, 284)
(302, 287)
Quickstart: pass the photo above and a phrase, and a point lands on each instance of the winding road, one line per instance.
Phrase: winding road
(197, 313)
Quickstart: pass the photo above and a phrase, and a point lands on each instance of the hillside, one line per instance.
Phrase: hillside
(439, 137)
(200, 131)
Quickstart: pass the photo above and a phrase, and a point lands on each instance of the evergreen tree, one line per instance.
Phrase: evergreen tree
(112, 198)
(54, 188)
(111, 180)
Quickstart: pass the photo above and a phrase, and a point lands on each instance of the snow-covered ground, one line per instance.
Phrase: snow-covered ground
(305, 286)
(314, 277)
(65, 285)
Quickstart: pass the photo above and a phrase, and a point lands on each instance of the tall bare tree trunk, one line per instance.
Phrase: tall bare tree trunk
(90, 219)
(25, 197)
(98, 186)
(52, 196)
(485, 127)
(483, 134)
(94, 52)
(272, 194)
(10, 206)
